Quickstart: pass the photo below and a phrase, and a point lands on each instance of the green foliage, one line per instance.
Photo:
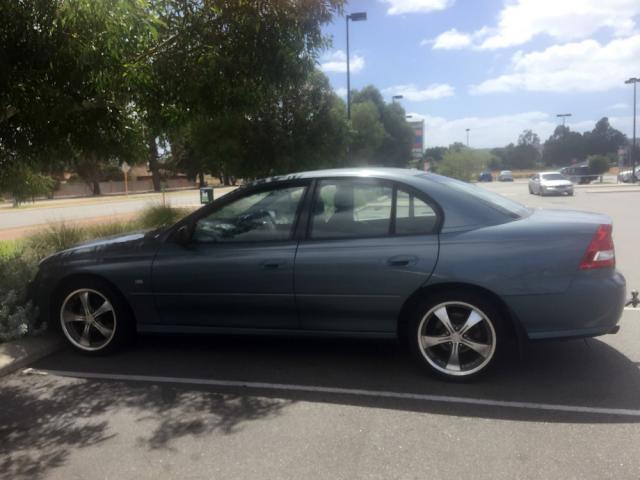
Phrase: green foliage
(18, 316)
(23, 184)
(564, 146)
(156, 216)
(380, 132)
(55, 237)
(463, 164)
(598, 164)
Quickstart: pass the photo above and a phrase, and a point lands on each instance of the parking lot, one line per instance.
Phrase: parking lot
(278, 408)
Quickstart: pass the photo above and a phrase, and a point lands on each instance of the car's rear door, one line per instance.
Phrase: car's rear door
(370, 244)
(237, 271)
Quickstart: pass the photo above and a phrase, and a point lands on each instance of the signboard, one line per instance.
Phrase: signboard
(125, 167)
(418, 138)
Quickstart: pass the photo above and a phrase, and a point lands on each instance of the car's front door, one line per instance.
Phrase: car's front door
(371, 243)
(237, 269)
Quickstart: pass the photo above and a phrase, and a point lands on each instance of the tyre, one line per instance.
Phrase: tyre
(94, 317)
(530, 190)
(456, 336)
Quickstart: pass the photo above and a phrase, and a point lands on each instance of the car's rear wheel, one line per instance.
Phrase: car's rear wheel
(94, 317)
(456, 336)
(530, 190)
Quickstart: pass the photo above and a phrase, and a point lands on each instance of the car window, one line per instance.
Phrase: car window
(553, 176)
(346, 208)
(263, 216)
(413, 215)
(498, 202)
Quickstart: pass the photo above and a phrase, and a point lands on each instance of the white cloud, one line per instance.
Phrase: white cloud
(398, 7)
(341, 92)
(451, 39)
(565, 20)
(500, 130)
(415, 94)
(585, 66)
(619, 106)
(337, 62)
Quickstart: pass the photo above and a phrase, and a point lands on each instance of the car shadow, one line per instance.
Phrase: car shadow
(582, 373)
(45, 419)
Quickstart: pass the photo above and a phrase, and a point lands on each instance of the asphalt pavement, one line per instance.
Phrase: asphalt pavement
(280, 408)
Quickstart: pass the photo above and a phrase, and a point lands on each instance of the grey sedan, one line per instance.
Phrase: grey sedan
(550, 183)
(456, 271)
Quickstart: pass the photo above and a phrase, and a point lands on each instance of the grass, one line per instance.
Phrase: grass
(60, 236)
(11, 248)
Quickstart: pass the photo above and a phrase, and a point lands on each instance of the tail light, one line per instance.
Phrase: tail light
(600, 252)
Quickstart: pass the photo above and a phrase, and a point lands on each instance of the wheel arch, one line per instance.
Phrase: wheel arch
(512, 324)
(77, 277)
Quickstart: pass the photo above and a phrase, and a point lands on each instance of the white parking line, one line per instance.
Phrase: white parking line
(349, 391)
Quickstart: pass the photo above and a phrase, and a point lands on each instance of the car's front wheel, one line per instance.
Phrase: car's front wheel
(94, 317)
(456, 336)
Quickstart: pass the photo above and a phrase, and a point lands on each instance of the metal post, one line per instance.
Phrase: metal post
(348, 74)
(633, 147)
(468, 137)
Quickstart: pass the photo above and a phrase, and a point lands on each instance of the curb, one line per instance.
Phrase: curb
(20, 353)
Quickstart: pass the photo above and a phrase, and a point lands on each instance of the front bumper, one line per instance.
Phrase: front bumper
(591, 306)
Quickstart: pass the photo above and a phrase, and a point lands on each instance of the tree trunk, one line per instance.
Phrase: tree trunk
(154, 166)
(201, 179)
(95, 187)
(225, 178)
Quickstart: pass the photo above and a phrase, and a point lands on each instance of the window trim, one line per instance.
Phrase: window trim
(395, 185)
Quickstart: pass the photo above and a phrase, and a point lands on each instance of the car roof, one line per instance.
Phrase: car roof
(549, 172)
(379, 172)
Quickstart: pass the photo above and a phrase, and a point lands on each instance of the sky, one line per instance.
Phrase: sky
(497, 67)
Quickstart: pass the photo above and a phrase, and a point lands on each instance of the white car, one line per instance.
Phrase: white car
(626, 175)
(548, 183)
(505, 176)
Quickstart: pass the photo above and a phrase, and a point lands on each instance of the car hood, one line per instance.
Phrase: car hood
(556, 183)
(120, 245)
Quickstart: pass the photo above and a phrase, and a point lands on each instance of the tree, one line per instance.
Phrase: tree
(598, 164)
(604, 139)
(564, 147)
(463, 164)
(381, 134)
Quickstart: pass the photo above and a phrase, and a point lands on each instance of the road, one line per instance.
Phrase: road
(79, 209)
(279, 408)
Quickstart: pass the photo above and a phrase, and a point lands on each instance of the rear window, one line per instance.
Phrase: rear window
(505, 205)
(553, 176)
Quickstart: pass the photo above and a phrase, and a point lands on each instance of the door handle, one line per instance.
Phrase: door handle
(273, 264)
(402, 260)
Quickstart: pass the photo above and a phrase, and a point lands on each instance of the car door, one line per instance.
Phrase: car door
(535, 183)
(370, 245)
(236, 271)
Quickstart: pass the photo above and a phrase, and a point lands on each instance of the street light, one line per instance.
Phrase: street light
(563, 116)
(633, 80)
(354, 17)
(396, 97)
(467, 130)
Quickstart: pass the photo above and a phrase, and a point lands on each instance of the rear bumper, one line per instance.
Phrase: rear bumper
(591, 306)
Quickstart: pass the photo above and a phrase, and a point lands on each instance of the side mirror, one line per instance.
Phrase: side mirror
(182, 235)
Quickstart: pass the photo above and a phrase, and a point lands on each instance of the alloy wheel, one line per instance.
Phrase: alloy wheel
(88, 319)
(456, 338)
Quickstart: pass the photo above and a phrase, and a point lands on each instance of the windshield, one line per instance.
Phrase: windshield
(510, 207)
(553, 176)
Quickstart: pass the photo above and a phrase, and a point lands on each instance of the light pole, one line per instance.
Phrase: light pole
(354, 17)
(563, 116)
(634, 81)
(396, 97)
(467, 130)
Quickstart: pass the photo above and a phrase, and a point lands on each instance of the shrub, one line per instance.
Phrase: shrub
(160, 215)
(18, 316)
(598, 164)
(56, 237)
(460, 164)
